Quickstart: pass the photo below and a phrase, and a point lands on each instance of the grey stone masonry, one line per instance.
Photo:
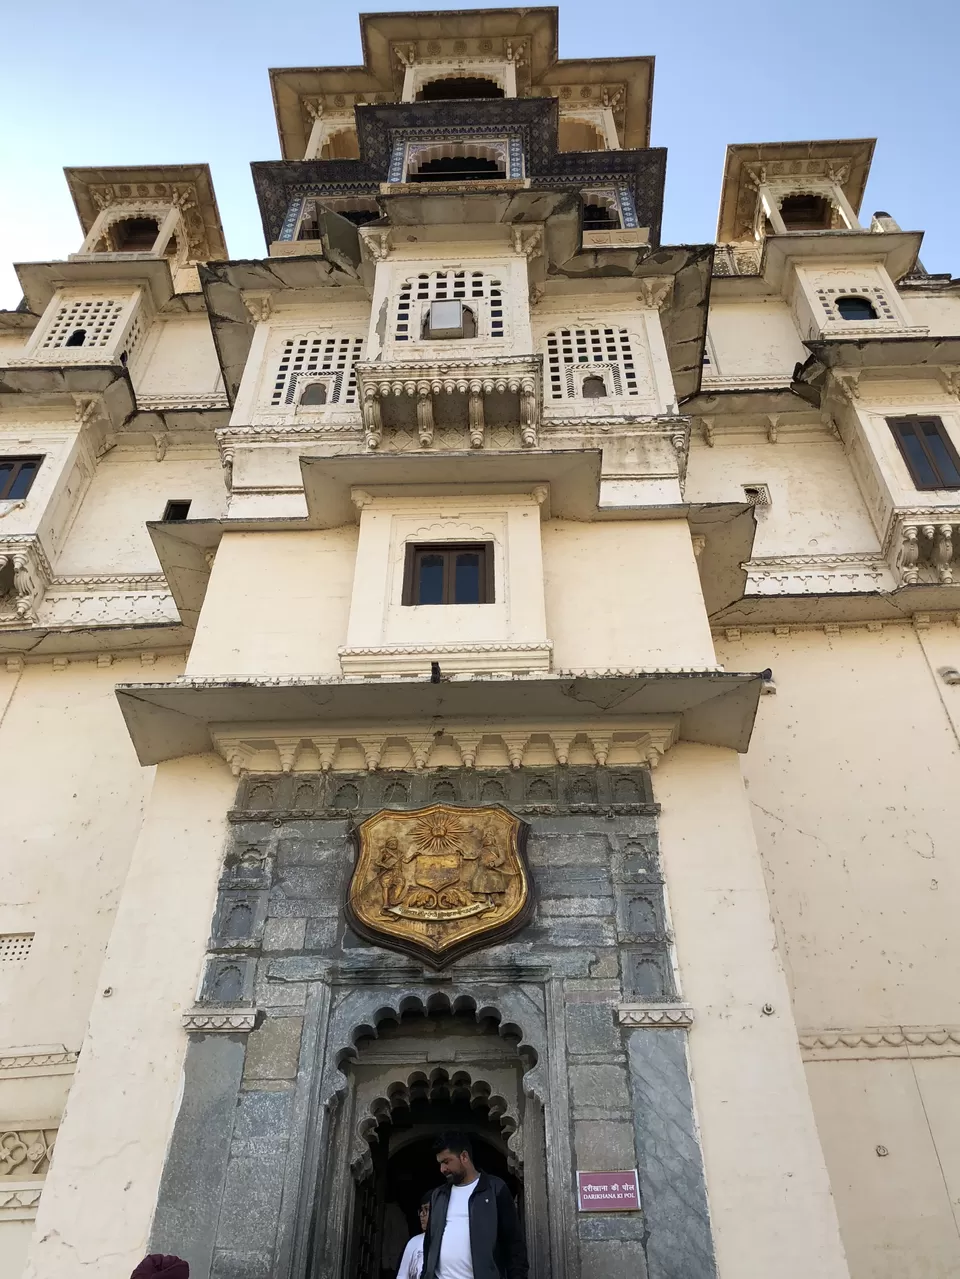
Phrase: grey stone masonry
(272, 1142)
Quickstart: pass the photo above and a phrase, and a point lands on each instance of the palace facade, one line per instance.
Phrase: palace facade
(479, 665)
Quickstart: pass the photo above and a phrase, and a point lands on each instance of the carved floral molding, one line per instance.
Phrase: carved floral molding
(656, 1016)
(222, 1021)
(842, 574)
(880, 1041)
(25, 1154)
(30, 594)
(56, 1061)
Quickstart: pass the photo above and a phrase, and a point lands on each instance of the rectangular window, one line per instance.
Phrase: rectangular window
(177, 509)
(450, 573)
(16, 476)
(928, 452)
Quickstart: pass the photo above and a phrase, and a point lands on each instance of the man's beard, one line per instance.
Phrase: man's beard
(454, 1178)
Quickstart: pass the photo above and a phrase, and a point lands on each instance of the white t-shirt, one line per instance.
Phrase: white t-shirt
(456, 1261)
(411, 1263)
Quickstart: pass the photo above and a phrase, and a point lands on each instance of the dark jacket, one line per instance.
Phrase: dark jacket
(497, 1245)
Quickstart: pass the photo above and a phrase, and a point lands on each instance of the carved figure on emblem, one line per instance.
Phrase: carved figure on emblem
(440, 881)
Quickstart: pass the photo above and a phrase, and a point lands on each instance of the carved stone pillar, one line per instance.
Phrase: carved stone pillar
(425, 424)
(528, 415)
(942, 553)
(372, 419)
(909, 555)
(475, 415)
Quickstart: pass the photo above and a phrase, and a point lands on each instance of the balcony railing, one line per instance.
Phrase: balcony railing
(471, 394)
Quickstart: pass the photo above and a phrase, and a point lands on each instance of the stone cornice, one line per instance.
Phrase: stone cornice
(323, 747)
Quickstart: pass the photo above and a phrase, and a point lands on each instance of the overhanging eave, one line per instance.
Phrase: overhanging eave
(168, 721)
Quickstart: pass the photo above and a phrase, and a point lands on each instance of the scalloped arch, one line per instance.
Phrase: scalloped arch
(440, 1086)
(518, 1013)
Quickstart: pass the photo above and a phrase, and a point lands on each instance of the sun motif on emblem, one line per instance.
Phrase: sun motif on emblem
(438, 833)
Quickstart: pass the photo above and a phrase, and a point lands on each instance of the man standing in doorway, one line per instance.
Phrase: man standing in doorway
(474, 1230)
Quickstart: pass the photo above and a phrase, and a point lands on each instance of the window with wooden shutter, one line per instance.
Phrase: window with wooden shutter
(928, 452)
(449, 573)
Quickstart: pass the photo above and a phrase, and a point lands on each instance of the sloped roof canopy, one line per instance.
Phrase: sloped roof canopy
(189, 184)
(846, 159)
(526, 36)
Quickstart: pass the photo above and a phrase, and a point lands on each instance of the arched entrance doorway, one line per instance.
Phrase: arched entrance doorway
(423, 1074)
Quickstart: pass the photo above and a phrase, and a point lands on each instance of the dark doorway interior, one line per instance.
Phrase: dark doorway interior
(405, 1165)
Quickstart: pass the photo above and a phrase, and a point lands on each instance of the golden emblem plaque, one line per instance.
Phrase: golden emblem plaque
(440, 881)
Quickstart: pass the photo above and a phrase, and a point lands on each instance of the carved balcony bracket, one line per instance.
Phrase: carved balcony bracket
(922, 547)
(25, 574)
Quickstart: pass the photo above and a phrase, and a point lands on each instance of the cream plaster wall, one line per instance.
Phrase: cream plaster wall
(96, 1209)
(623, 594)
(66, 755)
(852, 777)
(897, 1210)
(940, 314)
(816, 505)
(277, 604)
(178, 358)
(771, 1204)
(109, 533)
(68, 836)
(15, 1239)
(758, 337)
(13, 343)
(620, 594)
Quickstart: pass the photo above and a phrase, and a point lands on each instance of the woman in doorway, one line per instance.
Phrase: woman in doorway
(411, 1263)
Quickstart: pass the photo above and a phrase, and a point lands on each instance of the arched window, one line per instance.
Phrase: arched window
(458, 168)
(356, 209)
(359, 217)
(806, 213)
(135, 235)
(444, 320)
(459, 87)
(88, 322)
(314, 393)
(853, 307)
(600, 214)
(480, 294)
(593, 388)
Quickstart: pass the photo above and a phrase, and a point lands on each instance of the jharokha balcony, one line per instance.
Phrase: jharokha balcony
(477, 395)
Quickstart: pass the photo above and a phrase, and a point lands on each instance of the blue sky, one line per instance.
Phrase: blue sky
(186, 81)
